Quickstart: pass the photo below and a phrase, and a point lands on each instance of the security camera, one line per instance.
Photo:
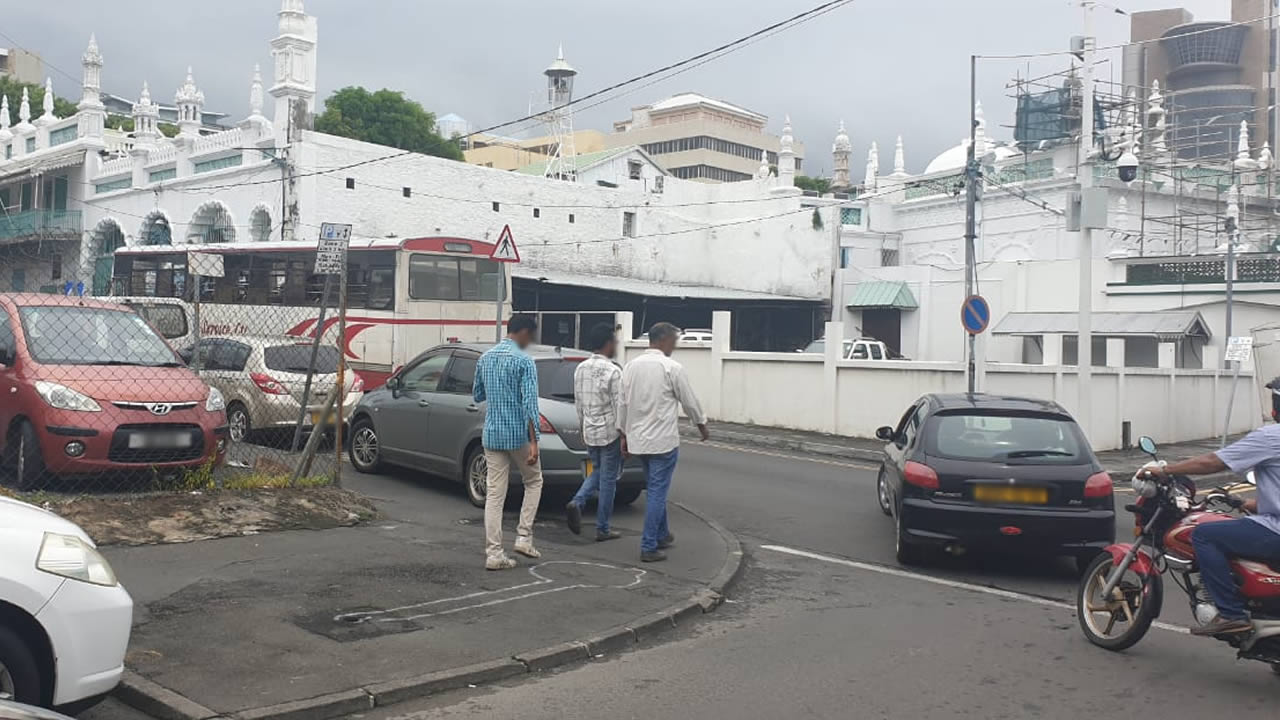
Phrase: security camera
(1127, 166)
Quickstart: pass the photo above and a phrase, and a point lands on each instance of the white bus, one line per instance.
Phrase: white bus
(403, 296)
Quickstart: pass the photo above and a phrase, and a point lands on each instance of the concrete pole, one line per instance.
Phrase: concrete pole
(1084, 177)
(970, 217)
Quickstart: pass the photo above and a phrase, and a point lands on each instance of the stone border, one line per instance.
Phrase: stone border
(164, 704)
(786, 443)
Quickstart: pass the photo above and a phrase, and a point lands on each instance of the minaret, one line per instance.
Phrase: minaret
(563, 163)
(91, 113)
(840, 152)
(763, 171)
(899, 160)
(5, 133)
(786, 156)
(24, 125)
(146, 117)
(256, 119)
(190, 102)
(47, 117)
(869, 180)
(980, 132)
(1155, 121)
(1265, 160)
(1243, 159)
(294, 53)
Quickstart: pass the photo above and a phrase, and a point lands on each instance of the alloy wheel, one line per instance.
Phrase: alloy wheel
(22, 474)
(1123, 606)
(882, 490)
(478, 477)
(239, 425)
(8, 688)
(364, 446)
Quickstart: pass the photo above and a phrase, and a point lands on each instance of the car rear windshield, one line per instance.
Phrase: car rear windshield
(1007, 438)
(72, 335)
(297, 358)
(555, 378)
(168, 320)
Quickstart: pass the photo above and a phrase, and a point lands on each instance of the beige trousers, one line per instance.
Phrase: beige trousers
(499, 476)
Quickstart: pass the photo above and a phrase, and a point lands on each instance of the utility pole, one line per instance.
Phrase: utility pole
(1084, 179)
(971, 212)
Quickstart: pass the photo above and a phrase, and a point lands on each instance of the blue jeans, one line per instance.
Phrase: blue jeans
(607, 462)
(1216, 543)
(658, 470)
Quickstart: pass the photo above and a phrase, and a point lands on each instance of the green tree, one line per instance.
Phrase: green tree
(821, 186)
(385, 117)
(13, 90)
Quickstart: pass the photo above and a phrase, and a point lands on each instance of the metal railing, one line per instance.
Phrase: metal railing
(40, 224)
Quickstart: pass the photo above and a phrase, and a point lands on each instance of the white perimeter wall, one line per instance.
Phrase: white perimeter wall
(824, 394)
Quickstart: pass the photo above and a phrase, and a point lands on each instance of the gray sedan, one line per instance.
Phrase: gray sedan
(424, 418)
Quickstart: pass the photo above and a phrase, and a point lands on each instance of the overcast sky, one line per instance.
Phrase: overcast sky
(883, 66)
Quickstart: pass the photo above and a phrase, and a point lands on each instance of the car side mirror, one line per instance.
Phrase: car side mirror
(885, 433)
(393, 384)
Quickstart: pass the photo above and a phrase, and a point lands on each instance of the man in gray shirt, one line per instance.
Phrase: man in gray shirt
(1256, 537)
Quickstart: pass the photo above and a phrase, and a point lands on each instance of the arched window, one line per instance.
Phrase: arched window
(107, 238)
(212, 224)
(156, 230)
(260, 224)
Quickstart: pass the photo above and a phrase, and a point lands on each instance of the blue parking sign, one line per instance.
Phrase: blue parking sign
(975, 314)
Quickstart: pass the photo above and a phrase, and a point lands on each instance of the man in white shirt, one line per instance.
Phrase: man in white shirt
(654, 388)
(597, 390)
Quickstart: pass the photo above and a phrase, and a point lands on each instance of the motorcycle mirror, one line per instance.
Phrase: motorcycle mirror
(1147, 445)
(1250, 478)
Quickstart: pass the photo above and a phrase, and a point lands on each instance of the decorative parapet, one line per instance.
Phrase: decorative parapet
(225, 140)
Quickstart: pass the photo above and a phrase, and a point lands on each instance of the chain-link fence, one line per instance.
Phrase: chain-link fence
(154, 392)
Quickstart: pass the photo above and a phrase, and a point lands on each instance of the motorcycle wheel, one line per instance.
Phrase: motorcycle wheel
(1121, 621)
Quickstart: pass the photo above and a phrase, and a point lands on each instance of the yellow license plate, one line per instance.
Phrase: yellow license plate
(1011, 494)
(315, 418)
(588, 468)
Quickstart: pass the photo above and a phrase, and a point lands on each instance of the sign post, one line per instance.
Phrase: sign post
(1239, 349)
(200, 265)
(504, 251)
(975, 316)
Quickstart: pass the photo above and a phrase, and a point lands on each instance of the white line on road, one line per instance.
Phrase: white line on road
(957, 584)
(786, 456)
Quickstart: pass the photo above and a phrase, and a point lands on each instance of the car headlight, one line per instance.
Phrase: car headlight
(215, 403)
(70, 557)
(64, 398)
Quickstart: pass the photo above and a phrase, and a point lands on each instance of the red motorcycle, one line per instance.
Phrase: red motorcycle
(1122, 590)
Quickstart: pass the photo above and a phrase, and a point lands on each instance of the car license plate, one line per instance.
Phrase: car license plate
(159, 441)
(587, 468)
(1011, 494)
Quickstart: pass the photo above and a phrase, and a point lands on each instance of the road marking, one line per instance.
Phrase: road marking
(739, 448)
(956, 584)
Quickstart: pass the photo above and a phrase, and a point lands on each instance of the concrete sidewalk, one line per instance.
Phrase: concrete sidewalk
(1120, 463)
(320, 623)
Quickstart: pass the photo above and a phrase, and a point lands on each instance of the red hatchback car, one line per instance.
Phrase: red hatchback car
(89, 388)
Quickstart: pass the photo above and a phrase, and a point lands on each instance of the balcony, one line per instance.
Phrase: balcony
(30, 225)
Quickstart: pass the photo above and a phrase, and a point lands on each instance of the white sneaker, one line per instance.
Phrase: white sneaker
(499, 563)
(524, 546)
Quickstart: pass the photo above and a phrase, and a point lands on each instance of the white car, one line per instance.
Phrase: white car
(64, 618)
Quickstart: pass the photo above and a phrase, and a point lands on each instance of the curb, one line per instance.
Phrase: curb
(164, 704)
(792, 444)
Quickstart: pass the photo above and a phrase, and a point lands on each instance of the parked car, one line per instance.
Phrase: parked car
(64, 617)
(695, 336)
(18, 711)
(987, 472)
(90, 388)
(263, 378)
(424, 418)
(860, 349)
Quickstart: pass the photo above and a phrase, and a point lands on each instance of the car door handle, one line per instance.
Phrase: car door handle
(423, 403)
(473, 408)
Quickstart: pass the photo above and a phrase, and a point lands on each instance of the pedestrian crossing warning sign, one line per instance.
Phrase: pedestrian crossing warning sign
(505, 249)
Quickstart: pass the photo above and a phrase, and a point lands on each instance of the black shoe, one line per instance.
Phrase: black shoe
(607, 535)
(573, 516)
(667, 542)
(1222, 626)
(653, 556)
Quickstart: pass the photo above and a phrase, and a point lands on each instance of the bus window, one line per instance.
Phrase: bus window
(448, 278)
(479, 279)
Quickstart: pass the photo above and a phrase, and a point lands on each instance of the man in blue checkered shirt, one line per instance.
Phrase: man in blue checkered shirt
(507, 379)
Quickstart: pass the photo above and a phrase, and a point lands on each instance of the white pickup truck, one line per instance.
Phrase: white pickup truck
(860, 349)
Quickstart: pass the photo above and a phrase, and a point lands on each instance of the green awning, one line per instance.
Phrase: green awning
(883, 294)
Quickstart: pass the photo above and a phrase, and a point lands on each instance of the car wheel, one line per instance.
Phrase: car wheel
(906, 553)
(238, 423)
(626, 496)
(29, 469)
(365, 451)
(476, 477)
(882, 493)
(19, 673)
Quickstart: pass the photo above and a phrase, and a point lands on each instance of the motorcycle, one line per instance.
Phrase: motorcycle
(1122, 591)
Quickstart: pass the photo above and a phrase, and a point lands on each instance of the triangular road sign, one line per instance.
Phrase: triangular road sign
(505, 249)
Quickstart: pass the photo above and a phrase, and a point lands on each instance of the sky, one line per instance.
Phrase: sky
(884, 67)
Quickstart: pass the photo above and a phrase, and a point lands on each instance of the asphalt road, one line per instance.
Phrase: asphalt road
(824, 624)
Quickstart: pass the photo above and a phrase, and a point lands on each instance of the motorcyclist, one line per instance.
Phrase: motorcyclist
(1256, 536)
